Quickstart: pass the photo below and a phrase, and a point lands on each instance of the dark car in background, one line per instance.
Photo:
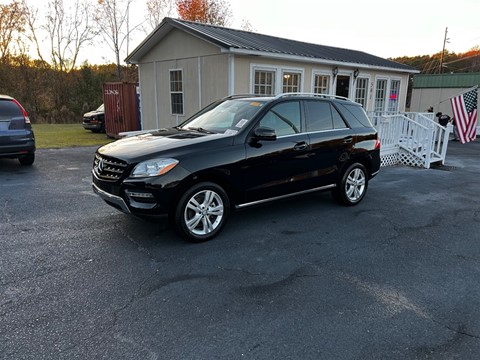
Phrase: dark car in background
(95, 120)
(238, 152)
(17, 140)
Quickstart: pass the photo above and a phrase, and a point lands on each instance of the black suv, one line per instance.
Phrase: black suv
(17, 140)
(95, 120)
(237, 152)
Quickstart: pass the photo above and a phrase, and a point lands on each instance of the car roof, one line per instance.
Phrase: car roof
(5, 97)
(298, 95)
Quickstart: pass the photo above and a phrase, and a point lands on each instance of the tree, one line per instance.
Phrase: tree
(113, 18)
(215, 12)
(12, 24)
(66, 32)
(247, 26)
(157, 10)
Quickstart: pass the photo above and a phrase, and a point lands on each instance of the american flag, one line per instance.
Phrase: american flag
(465, 112)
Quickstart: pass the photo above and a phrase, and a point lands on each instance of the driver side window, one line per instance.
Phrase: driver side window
(284, 118)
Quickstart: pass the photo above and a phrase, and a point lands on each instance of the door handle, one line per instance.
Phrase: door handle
(348, 139)
(300, 146)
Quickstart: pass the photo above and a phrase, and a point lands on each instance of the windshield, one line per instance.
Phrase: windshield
(100, 108)
(229, 117)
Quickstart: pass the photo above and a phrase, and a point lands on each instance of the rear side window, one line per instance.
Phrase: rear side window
(354, 115)
(322, 116)
(9, 109)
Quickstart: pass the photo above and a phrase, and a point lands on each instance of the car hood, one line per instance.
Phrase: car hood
(163, 142)
(92, 113)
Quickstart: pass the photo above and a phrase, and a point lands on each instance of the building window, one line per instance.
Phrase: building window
(264, 82)
(361, 91)
(176, 92)
(291, 82)
(321, 85)
(394, 93)
(380, 94)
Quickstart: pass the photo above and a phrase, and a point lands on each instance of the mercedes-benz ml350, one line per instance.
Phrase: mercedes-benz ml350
(237, 152)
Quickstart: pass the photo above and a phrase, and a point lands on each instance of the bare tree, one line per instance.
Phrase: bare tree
(158, 9)
(218, 12)
(247, 26)
(67, 32)
(31, 35)
(12, 23)
(113, 18)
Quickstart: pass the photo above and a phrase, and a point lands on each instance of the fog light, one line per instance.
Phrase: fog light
(139, 195)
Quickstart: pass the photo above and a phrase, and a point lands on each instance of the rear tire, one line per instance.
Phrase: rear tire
(27, 159)
(352, 187)
(202, 212)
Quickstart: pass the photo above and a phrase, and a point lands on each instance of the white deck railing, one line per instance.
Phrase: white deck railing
(413, 139)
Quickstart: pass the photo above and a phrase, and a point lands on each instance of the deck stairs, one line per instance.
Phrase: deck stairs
(412, 139)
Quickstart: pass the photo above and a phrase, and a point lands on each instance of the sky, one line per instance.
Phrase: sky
(384, 28)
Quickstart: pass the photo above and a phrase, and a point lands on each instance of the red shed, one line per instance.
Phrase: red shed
(121, 108)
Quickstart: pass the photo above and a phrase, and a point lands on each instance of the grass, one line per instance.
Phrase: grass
(54, 136)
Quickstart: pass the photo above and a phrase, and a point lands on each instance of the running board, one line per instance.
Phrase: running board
(241, 206)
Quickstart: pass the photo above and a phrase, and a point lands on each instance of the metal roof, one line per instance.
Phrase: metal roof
(244, 42)
(464, 80)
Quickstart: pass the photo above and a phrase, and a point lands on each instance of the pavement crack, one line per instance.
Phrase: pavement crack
(460, 331)
(6, 215)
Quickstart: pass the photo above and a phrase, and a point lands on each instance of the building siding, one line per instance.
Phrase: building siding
(437, 90)
(211, 72)
(193, 57)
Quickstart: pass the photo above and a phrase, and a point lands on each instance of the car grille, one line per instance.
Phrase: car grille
(108, 168)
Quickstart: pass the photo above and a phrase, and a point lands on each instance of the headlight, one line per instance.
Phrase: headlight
(154, 167)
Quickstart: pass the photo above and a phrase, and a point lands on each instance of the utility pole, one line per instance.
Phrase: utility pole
(445, 40)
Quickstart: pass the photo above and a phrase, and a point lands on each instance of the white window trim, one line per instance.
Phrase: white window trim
(253, 68)
(278, 81)
(176, 92)
(387, 90)
(299, 71)
(322, 73)
(379, 77)
(367, 95)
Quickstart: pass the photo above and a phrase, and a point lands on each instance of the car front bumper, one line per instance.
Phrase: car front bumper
(92, 126)
(113, 200)
(146, 196)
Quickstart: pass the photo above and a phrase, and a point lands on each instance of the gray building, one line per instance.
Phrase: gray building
(184, 66)
(437, 90)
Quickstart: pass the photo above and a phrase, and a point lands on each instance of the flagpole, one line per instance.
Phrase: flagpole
(460, 93)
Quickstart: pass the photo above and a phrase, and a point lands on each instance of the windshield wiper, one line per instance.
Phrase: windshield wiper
(202, 130)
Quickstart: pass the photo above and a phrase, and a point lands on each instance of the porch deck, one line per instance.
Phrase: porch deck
(413, 139)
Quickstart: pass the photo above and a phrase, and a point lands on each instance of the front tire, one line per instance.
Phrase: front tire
(202, 212)
(353, 185)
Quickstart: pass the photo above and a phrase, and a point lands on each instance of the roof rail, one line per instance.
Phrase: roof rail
(327, 96)
(241, 96)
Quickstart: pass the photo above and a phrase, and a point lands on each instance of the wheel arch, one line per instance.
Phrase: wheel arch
(213, 176)
(364, 160)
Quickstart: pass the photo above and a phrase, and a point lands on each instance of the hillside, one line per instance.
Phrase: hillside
(452, 62)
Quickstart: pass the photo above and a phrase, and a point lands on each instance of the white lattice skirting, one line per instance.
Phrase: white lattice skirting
(401, 157)
(389, 160)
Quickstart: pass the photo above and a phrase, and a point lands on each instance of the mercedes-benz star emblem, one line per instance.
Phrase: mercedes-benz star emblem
(100, 166)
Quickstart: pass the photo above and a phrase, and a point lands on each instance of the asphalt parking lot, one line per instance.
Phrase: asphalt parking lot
(396, 277)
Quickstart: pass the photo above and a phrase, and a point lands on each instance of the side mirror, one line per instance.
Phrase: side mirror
(264, 133)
